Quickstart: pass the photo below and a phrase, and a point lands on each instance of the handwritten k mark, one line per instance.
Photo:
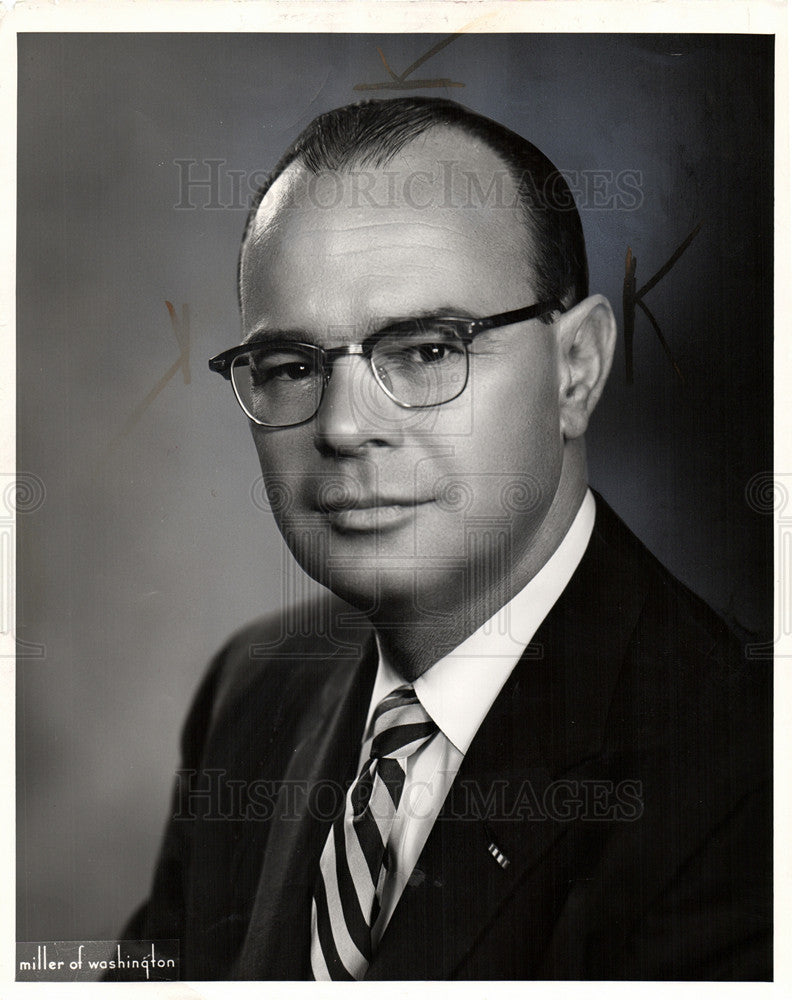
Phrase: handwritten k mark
(399, 81)
(181, 331)
(632, 298)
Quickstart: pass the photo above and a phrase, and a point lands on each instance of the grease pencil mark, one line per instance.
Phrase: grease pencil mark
(632, 298)
(399, 81)
(181, 330)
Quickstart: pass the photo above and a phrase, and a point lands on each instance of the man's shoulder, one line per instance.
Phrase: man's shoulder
(688, 684)
(677, 616)
(292, 651)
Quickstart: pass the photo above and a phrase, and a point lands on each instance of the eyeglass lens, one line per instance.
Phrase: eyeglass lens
(283, 384)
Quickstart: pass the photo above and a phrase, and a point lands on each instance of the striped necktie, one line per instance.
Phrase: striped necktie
(354, 861)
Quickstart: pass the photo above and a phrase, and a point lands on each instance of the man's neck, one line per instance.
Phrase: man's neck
(414, 642)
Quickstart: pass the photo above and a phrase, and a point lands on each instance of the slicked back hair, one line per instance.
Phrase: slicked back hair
(371, 133)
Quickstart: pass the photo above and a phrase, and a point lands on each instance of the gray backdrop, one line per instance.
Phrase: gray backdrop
(143, 543)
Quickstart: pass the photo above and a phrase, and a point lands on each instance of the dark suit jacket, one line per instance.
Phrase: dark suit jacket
(623, 771)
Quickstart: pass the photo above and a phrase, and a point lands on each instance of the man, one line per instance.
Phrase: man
(519, 749)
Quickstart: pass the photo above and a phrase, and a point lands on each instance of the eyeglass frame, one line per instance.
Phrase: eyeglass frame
(464, 329)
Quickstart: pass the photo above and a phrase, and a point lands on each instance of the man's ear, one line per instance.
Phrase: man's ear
(586, 339)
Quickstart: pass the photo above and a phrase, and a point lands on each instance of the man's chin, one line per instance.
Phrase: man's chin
(393, 594)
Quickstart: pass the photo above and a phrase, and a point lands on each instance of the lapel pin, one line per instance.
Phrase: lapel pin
(499, 856)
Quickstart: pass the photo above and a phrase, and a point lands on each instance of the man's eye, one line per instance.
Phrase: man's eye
(291, 371)
(426, 351)
(279, 369)
(432, 353)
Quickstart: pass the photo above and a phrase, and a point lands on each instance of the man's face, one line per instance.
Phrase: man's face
(407, 510)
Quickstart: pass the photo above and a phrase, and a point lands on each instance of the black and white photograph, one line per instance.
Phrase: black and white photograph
(395, 511)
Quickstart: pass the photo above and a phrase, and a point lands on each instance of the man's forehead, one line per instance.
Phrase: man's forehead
(443, 177)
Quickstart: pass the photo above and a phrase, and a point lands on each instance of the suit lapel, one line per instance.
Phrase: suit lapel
(548, 720)
(277, 944)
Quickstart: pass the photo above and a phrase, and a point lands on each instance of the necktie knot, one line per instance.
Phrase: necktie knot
(400, 725)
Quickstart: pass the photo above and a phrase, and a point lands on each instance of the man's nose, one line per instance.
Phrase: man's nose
(355, 411)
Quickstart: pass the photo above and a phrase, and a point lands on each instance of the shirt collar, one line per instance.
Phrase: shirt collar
(460, 689)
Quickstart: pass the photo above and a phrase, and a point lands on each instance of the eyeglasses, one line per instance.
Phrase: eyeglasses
(417, 363)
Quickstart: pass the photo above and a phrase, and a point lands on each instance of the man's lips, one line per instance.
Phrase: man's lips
(373, 513)
(369, 503)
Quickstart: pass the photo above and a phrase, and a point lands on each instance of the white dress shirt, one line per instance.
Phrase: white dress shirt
(458, 692)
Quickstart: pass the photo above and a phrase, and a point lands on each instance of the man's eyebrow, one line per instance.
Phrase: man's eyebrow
(443, 312)
(374, 326)
(271, 336)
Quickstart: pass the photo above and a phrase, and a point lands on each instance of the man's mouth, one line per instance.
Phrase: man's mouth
(373, 513)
